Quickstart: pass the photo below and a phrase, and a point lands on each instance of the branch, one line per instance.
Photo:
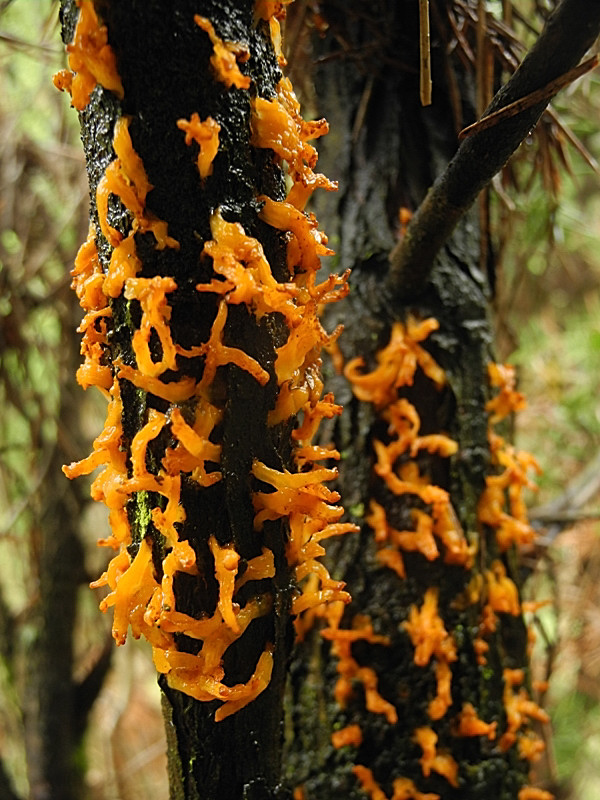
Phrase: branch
(566, 37)
(567, 506)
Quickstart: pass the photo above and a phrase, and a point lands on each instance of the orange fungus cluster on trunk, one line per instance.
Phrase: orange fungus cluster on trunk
(183, 441)
(436, 535)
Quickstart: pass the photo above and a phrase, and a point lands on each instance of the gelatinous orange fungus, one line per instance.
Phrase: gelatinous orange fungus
(142, 476)
(225, 56)
(469, 724)
(368, 783)
(349, 670)
(519, 708)
(87, 282)
(217, 354)
(91, 59)
(533, 793)
(273, 11)
(277, 124)
(351, 736)
(264, 9)
(206, 135)
(503, 595)
(405, 789)
(507, 400)
(151, 295)
(308, 505)
(431, 639)
(397, 363)
(126, 178)
(502, 504)
(431, 760)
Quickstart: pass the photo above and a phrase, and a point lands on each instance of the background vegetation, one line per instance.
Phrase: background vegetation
(546, 224)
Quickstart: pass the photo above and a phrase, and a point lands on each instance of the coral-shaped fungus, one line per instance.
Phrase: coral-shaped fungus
(437, 535)
(179, 440)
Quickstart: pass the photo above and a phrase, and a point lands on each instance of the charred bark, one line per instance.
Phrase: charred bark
(163, 61)
(386, 151)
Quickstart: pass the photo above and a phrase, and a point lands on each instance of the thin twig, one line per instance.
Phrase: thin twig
(533, 98)
(562, 517)
(574, 141)
(567, 35)
(425, 53)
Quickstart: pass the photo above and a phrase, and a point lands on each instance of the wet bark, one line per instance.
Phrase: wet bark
(163, 61)
(386, 151)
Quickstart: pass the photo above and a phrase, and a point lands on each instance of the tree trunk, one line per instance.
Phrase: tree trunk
(205, 382)
(386, 150)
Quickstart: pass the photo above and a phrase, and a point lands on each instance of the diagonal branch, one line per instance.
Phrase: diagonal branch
(568, 34)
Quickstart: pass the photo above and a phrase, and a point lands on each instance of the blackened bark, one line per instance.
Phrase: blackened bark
(163, 60)
(386, 150)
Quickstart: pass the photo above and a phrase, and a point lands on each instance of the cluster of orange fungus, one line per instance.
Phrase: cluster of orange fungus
(469, 724)
(432, 760)
(403, 788)
(91, 60)
(437, 530)
(431, 640)
(436, 534)
(533, 793)
(502, 509)
(502, 505)
(307, 503)
(519, 710)
(278, 124)
(350, 735)
(182, 441)
(225, 57)
(126, 178)
(349, 670)
(88, 283)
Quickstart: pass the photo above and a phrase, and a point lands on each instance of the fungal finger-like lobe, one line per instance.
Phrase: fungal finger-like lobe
(469, 724)
(257, 684)
(206, 134)
(367, 782)
(91, 60)
(431, 760)
(533, 793)
(351, 735)
(226, 567)
(225, 56)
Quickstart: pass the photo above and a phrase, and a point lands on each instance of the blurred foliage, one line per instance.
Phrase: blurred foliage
(546, 228)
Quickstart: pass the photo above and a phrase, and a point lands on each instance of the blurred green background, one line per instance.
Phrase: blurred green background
(546, 228)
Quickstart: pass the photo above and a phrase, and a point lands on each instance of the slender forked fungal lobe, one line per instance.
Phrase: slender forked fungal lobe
(184, 324)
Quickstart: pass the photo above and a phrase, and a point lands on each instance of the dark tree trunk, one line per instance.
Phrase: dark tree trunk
(162, 55)
(55, 713)
(386, 150)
